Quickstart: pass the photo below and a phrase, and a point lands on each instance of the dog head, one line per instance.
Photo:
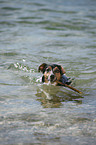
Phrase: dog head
(51, 72)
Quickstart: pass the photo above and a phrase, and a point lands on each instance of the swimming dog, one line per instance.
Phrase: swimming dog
(54, 74)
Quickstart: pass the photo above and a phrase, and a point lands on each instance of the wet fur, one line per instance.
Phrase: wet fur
(51, 73)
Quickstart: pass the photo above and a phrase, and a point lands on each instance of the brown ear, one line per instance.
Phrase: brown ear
(62, 70)
(42, 67)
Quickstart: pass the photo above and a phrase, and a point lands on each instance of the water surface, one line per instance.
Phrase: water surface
(53, 31)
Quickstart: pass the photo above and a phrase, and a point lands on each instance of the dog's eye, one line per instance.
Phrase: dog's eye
(48, 69)
(56, 71)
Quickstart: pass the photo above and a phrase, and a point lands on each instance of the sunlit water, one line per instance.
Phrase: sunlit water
(51, 31)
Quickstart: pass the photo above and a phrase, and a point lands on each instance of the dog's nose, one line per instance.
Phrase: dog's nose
(52, 77)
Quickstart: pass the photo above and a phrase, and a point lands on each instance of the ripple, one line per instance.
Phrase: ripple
(26, 18)
(9, 54)
(10, 8)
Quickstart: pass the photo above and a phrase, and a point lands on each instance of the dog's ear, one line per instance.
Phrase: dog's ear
(62, 71)
(42, 67)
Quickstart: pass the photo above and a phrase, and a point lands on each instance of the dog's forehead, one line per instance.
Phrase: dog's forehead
(49, 67)
(48, 70)
(52, 68)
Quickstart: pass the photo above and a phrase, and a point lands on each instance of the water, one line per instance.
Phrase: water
(51, 31)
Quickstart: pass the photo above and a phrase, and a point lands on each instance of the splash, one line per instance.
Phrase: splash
(19, 66)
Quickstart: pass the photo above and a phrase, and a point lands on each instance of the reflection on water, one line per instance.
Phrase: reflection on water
(53, 96)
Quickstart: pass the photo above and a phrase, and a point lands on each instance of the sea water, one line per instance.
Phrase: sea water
(33, 32)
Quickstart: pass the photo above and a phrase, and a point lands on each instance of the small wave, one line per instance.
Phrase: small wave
(9, 54)
(11, 8)
(39, 80)
(19, 66)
